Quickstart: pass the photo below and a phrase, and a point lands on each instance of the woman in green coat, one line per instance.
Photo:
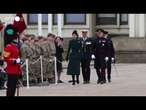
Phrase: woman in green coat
(74, 57)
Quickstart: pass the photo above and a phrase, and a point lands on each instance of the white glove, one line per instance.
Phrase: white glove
(93, 56)
(113, 59)
(106, 58)
(50, 60)
(18, 60)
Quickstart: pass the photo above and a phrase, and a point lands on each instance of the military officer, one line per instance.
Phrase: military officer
(111, 55)
(86, 56)
(101, 55)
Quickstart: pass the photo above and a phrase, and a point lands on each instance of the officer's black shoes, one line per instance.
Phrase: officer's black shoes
(98, 81)
(102, 82)
(86, 82)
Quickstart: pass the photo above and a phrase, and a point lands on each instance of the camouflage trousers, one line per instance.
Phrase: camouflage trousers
(31, 70)
(48, 68)
(34, 68)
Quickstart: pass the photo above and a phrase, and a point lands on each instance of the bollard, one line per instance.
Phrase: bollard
(27, 75)
(55, 68)
(41, 69)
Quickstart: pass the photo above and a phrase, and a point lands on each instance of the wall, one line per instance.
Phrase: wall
(130, 50)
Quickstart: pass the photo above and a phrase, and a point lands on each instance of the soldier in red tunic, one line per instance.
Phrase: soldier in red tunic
(11, 52)
(12, 58)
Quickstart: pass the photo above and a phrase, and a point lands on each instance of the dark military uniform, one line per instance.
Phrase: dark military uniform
(100, 52)
(110, 56)
(86, 58)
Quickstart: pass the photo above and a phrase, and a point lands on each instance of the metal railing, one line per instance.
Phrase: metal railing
(42, 76)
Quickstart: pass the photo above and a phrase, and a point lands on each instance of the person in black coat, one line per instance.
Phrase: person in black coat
(74, 57)
(86, 56)
(101, 55)
(111, 55)
(59, 51)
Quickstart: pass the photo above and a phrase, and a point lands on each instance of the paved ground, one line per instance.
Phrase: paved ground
(129, 81)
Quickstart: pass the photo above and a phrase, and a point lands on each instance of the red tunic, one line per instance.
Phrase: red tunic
(11, 53)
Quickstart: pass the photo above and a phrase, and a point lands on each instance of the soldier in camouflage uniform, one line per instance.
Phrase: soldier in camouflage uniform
(46, 59)
(32, 66)
(26, 53)
(38, 53)
(43, 54)
(51, 44)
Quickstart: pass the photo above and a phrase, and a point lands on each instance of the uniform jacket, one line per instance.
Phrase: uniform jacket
(101, 48)
(87, 46)
(11, 53)
(111, 48)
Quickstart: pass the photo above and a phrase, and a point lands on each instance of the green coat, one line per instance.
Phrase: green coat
(74, 57)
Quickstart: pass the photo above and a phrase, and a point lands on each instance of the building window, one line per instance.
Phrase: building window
(33, 18)
(45, 18)
(54, 19)
(106, 19)
(75, 19)
(123, 19)
(111, 19)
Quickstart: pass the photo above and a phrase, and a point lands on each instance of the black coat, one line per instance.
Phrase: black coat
(74, 56)
(59, 57)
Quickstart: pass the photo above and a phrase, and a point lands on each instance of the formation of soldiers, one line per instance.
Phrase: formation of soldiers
(32, 48)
